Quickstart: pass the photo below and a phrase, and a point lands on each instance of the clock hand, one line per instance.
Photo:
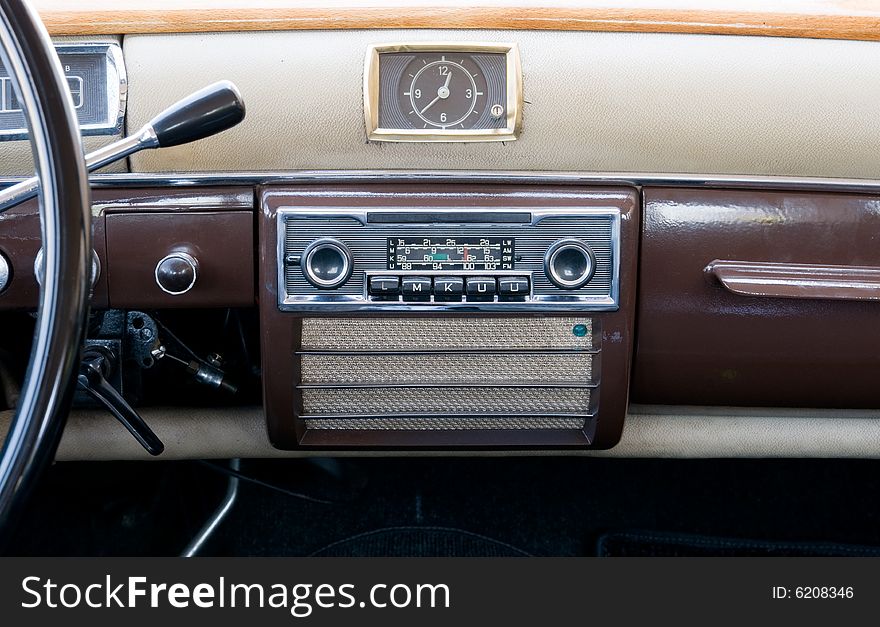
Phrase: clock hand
(442, 92)
(430, 104)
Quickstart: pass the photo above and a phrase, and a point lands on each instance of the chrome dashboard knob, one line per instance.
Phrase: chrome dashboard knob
(5, 272)
(177, 273)
(95, 272)
(569, 263)
(327, 263)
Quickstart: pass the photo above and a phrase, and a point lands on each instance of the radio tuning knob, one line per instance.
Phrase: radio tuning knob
(327, 263)
(569, 263)
(177, 273)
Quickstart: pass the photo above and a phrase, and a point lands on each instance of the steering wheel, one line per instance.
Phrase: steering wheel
(47, 391)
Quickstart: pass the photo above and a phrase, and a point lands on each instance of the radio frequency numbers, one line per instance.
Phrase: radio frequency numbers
(477, 253)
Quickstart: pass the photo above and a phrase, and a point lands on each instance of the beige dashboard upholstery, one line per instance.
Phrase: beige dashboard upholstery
(16, 160)
(594, 102)
(649, 431)
(623, 102)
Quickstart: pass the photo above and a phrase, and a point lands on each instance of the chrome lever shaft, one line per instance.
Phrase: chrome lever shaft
(206, 112)
(145, 138)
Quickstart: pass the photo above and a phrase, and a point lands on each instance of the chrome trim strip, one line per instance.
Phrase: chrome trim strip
(140, 201)
(631, 179)
(117, 61)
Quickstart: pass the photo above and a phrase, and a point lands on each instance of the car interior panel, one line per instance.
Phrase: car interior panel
(380, 251)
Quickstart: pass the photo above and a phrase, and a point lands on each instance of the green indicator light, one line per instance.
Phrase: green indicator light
(579, 330)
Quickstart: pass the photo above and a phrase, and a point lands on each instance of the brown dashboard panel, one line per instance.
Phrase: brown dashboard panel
(221, 243)
(413, 365)
(702, 343)
(20, 242)
(133, 229)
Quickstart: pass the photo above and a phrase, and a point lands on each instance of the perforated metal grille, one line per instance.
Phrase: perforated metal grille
(497, 368)
(446, 334)
(460, 400)
(446, 373)
(448, 423)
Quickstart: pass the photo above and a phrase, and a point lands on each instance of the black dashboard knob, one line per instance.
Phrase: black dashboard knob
(177, 273)
(327, 263)
(569, 263)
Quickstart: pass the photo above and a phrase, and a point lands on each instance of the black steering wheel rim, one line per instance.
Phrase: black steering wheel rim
(47, 391)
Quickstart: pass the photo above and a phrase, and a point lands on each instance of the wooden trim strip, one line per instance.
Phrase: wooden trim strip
(824, 19)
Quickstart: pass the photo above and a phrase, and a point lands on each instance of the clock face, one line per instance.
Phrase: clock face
(443, 93)
(436, 94)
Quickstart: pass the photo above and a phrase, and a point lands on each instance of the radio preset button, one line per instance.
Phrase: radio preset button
(416, 288)
(448, 288)
(385, 287)
(481, 288)
(513, 287)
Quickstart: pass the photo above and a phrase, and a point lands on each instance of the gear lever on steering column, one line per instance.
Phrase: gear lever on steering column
(204, 113)
(97, 364)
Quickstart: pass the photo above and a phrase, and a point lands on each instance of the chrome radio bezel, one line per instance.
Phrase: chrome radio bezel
(328, 303)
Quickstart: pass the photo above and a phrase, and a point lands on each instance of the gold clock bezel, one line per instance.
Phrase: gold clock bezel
(514, 95)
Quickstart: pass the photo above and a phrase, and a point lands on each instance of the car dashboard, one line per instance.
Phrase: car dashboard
(553, 234)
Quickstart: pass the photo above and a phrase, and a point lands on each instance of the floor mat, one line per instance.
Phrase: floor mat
(419, 542)
(651, 544)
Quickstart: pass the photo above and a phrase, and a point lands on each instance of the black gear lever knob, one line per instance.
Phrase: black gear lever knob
(208, 111)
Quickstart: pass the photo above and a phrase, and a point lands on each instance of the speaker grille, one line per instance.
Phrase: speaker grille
(444, 334)
(445, 400)
(449, 373)
(447, 423)
(440, 368)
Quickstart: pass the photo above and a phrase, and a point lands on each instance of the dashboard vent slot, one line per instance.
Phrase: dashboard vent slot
(449, 373)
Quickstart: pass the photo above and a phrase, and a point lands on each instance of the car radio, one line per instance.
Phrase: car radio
(446, 316)
(451, 258)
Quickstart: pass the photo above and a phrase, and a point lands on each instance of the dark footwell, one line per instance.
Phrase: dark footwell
(495, 506)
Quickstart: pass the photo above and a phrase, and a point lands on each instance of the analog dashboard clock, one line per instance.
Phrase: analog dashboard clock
(443, 92)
